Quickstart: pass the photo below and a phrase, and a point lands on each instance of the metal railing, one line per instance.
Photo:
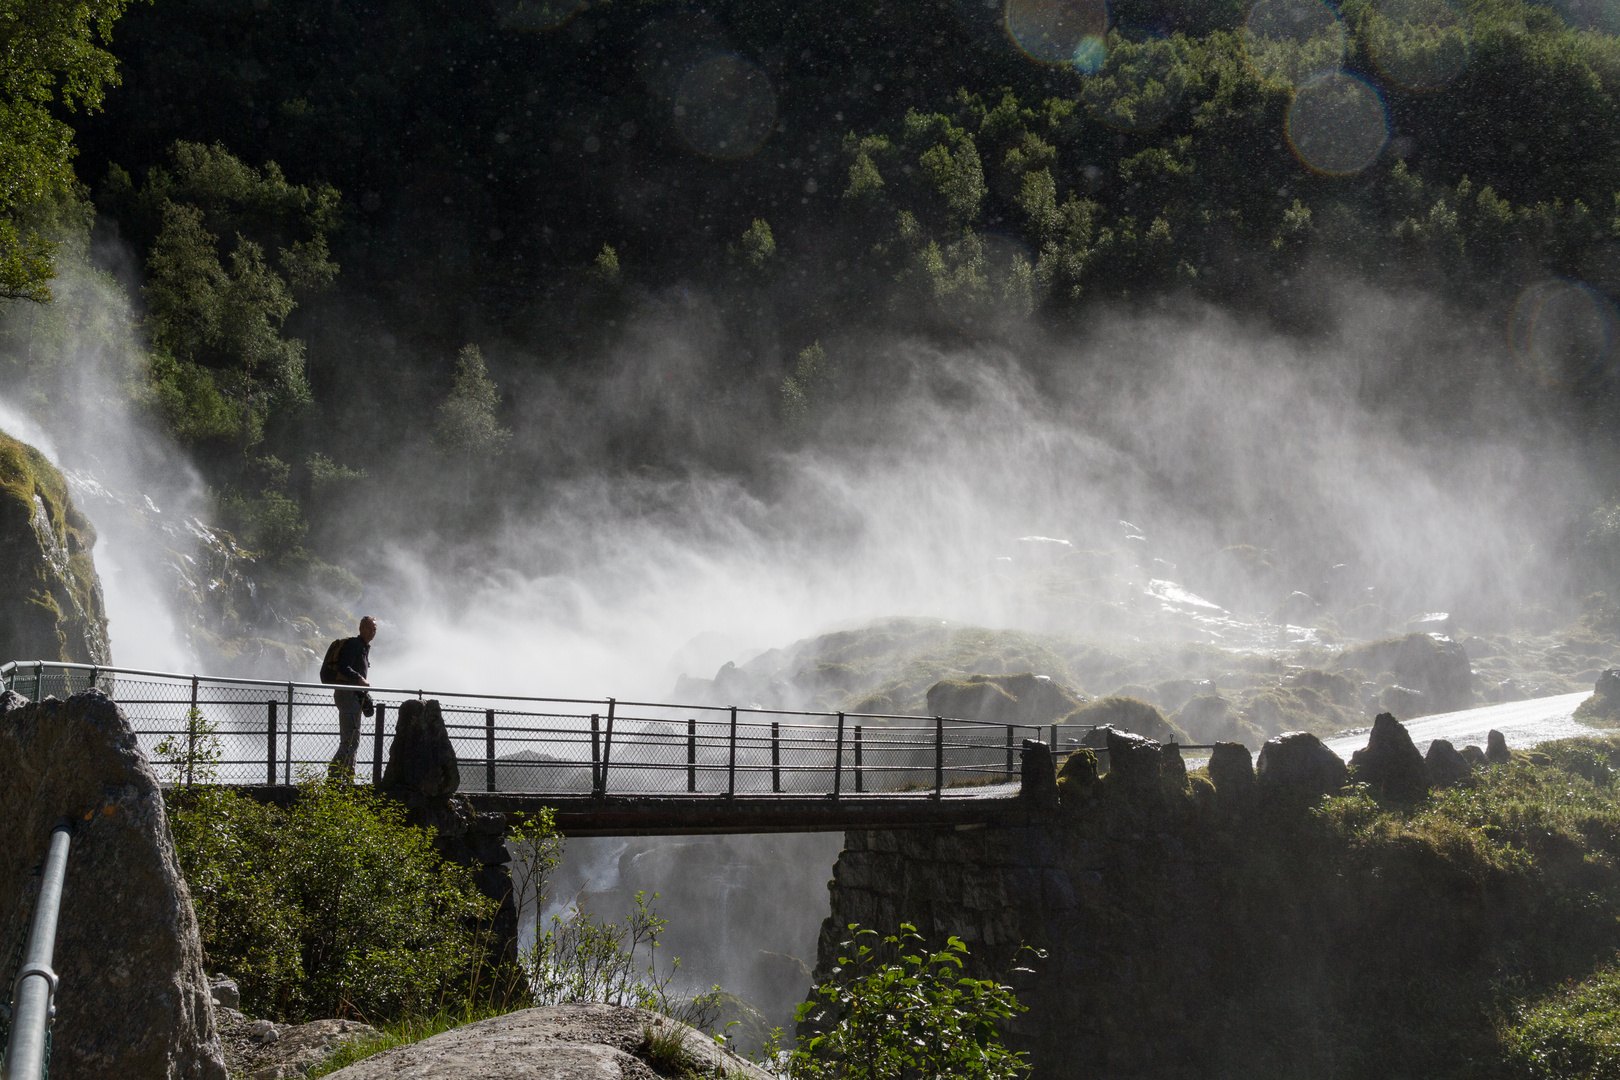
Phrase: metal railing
(270, 732)
(33, 990)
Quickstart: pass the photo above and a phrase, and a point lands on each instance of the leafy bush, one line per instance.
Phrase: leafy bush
(893, 1009)
(331, 907)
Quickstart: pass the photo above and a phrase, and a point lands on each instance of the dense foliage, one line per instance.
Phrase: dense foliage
(331, 907)
(895, 1009)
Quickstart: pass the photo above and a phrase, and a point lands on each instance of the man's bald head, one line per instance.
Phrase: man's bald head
(368, 628)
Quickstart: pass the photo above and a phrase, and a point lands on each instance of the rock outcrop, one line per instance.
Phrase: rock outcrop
(1496, 748)
(560, 1042)
(50, 596)
(1038, 775)
(1390, 764)
(133, 1000)
(1296, 764)
(1003, 699)
(1604, 704)
(424, 774)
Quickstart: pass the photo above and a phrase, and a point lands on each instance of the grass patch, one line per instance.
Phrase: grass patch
(403, 1032)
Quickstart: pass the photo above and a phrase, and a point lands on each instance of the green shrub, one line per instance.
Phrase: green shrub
(332, 907)
(893, 1009)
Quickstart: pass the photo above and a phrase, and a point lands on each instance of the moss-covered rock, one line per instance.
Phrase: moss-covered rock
(1024, 698)
(1128, 714)
(50, 596)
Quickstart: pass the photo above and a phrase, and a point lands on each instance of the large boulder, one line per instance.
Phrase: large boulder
(50, 596)
(1231, 768)
(1446, 766)
(559, 1042)
(421, 759)
(1390, 764)
(1133, 761)
(1296, 764)
(134, 1000)
(1433, 665)
(1128, 714)
(1038, 775)
(1003, 699)
(1604, 704)
(1496, 748)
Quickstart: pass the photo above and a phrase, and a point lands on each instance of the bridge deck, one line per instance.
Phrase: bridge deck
(653, 815)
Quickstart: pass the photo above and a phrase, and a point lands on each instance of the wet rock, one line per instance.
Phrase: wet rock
(1038, 775)
(559, 1042)
(1496, 748)
(134, 1000)
(1474, 756)
(1080, 768)
(1446, 766)
(1608, 685)
(1296, 763)
(1298, 609)
(421, 759)
(1133, 761)
(1231, 768)
(50, 596)
(1390, 764)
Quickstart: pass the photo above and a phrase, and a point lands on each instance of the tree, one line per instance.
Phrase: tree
(50, 56)
(467, 425)
(230, 248)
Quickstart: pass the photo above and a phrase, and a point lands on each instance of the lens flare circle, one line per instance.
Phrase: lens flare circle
(1418, 44)
(1073, 32)
(536, 14)
(725, 107)
(1288, 43)
(1337, 124)
(1565, 334)
(1139, 87)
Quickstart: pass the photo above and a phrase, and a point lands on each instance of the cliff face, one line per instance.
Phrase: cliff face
(50, 596)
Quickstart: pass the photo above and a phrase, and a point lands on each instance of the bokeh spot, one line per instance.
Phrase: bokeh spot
(1290, 42)
(1337, 124)
(536, 14)
(725, 107)
(1060, 31)
(1564, 333)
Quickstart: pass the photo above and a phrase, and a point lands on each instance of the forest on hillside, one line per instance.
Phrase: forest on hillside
(359, 239)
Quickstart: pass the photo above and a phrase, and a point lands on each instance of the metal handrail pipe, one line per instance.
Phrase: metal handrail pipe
(34, 990)
(11, 667)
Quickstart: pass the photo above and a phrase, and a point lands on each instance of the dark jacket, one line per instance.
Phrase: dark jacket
(353, 660)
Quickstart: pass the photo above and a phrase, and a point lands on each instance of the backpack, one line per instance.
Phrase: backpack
(329, 672)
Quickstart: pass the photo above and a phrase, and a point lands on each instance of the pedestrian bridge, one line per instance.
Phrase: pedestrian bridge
(606, 767)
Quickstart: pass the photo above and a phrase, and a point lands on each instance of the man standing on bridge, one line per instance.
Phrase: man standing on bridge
(351, 666)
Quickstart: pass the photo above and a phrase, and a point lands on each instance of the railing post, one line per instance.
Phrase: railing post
(691, 754)
(191, 734)
(286, 763)
(731, 760)
(270, 746)
(35, 984)
(596, 754)
(489, 749)
(838, 760)
(377, 736)
(607, 745)
(776, 756)
(1009, 749)
(858, 785)
(1053, 744)
(939, 755)
(39, 681)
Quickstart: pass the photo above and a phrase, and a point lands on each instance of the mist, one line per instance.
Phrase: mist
(1383, 443)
